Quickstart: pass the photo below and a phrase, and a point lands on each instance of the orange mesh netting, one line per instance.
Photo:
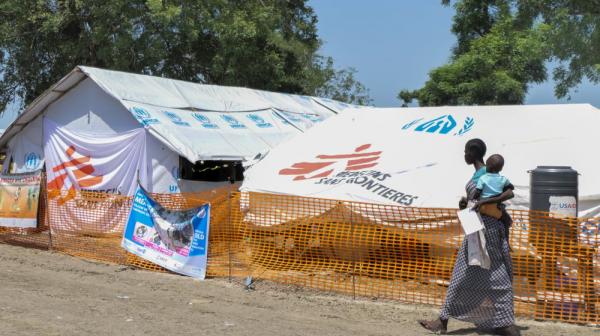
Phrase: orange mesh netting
(401, 253)
(407, 254)
(90, 224)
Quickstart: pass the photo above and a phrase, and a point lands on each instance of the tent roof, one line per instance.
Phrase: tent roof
(164, 93)
(413, 156)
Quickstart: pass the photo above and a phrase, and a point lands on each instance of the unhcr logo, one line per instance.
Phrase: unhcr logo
(259, 121)
(176, 119)
(205, 121)
(445, 124)
(32, 161)
(314, 118)
(233, 123)
(143, 116)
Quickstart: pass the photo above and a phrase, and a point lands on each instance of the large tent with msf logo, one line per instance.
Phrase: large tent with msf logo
(414, 156)
(105, 130)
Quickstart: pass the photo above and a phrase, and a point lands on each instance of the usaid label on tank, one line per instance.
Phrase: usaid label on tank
(175, 240)
(563, 206)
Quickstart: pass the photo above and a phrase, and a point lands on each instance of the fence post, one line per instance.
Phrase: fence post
(353, 251)
(229, 230)
(49, 230)
(46, 207)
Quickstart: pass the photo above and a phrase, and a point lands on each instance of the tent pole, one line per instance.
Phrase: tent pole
(44, 188)
(230, 221)
(353, 250)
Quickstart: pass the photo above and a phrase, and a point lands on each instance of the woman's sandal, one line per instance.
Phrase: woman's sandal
(508, 331)
(437, 326)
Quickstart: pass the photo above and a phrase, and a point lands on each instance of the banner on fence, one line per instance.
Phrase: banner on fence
(174, 239)
(19, 195)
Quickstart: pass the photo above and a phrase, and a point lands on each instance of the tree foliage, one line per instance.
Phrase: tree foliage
(573, 35)
(263, 44)
(497, 55)
(343, 86)
(503, 45)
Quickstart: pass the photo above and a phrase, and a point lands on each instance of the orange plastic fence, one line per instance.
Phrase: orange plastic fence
(400, 253)
(90, 224)
(407, 254)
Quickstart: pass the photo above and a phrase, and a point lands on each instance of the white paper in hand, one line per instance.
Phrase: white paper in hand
(470, 220)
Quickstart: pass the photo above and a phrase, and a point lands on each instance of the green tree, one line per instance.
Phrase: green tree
(573, 37)
(538, 31)
(343, 86)
(263, 44)
(497, 56)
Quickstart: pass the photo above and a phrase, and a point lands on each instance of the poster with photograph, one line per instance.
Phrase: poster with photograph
(19, 198)
(174, 239)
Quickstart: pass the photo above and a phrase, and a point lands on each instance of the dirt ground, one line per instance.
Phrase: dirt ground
(45, 293)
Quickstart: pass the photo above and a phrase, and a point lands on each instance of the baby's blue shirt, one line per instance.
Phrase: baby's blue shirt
(491, 184)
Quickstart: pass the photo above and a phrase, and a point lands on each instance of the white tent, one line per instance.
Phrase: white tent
(414, 156)
(143, 125)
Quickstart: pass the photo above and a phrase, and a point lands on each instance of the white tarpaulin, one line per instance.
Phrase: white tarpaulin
(109, 163)
(201, 135)
(170, 93)
(414, 156)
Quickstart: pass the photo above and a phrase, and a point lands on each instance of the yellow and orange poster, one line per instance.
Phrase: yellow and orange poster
(19, 196)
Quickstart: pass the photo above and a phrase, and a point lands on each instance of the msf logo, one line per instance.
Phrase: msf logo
(82, 170)
(360, 159)
(443, 125)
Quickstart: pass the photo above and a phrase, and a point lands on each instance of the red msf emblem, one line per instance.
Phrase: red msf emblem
(358, 160)
(82, 170)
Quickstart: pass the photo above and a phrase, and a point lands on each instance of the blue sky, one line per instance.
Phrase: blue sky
(394, 44)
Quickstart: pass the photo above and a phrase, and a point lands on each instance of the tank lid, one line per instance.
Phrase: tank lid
(553, 169)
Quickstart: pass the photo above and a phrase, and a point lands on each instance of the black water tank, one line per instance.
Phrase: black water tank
(554, 189)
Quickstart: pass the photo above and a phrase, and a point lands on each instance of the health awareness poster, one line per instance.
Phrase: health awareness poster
(19, 197)
(175, 240)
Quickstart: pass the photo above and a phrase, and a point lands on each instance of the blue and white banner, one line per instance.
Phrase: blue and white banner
(176, 240)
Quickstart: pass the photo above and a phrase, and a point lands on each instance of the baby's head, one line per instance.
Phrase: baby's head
(494, 163)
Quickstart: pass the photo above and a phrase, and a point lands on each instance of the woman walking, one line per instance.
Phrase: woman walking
(478, 295)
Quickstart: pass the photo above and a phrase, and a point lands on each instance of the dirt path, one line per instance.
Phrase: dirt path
(44, 293)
